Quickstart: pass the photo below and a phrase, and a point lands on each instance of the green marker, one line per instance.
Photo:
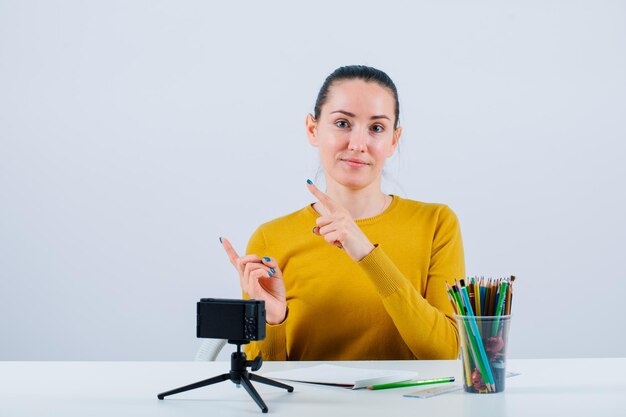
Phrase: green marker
(412, 383)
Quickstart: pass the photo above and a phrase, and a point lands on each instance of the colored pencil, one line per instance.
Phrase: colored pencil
(403, 384)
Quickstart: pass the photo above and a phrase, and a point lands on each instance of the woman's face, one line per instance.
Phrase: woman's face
(354, 132)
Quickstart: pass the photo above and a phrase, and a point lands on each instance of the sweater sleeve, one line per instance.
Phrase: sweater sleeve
(425, 321)
(273, 347)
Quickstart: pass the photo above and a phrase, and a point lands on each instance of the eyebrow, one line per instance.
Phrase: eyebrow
(347, 113)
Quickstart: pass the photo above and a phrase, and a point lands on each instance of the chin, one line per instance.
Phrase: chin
(353, 183)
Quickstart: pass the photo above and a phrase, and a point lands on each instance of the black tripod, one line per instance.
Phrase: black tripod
(238, 374)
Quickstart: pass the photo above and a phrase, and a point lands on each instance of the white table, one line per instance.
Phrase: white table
(546, 387)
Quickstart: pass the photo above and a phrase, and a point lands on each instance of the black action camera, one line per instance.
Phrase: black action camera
(236, 320)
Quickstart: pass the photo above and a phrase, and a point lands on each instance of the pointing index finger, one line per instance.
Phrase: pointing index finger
(323, 198)
(230, 251)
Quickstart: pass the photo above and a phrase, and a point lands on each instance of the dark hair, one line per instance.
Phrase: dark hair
(358, 72)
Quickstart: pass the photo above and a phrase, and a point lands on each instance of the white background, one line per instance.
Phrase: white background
(134, 133)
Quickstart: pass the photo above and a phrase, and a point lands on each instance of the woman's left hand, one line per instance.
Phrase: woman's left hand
(338, 228)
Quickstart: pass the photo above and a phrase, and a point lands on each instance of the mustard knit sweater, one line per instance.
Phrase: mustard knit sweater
(391, 305)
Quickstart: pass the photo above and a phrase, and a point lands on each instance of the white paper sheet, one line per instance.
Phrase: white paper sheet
(342, 376)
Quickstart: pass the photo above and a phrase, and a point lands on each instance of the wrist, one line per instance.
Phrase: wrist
(275, 321)
(367, 249)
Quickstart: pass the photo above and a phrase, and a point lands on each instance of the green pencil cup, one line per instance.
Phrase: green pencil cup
(484, 341)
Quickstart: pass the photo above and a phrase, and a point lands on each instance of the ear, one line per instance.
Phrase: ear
(311, 129)
(394, 141)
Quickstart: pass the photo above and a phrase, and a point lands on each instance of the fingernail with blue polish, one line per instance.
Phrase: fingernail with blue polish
(309, 182)
(269, 274)
(272, 270)
(266, 259)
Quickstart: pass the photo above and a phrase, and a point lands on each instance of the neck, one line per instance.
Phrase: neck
(361, 203)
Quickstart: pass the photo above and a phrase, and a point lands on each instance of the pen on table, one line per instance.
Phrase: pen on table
(403, 384)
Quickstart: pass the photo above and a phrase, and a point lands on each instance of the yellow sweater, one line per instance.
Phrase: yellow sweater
(391, 305)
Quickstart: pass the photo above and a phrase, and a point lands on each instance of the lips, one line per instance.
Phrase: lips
(354, 162)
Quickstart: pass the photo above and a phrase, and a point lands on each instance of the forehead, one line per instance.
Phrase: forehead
(360, 97)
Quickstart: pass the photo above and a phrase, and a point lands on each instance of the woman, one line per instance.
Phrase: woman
(357, 275)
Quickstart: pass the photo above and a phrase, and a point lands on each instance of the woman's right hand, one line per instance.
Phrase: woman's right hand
(260, 279)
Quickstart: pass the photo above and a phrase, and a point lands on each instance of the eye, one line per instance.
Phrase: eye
(378, 128)
(342, 124)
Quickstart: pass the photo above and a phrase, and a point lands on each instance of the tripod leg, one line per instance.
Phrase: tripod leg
(214, 380)
(255, 395)
(268, 381)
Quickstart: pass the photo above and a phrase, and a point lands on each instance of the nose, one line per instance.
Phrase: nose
(358, 140)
